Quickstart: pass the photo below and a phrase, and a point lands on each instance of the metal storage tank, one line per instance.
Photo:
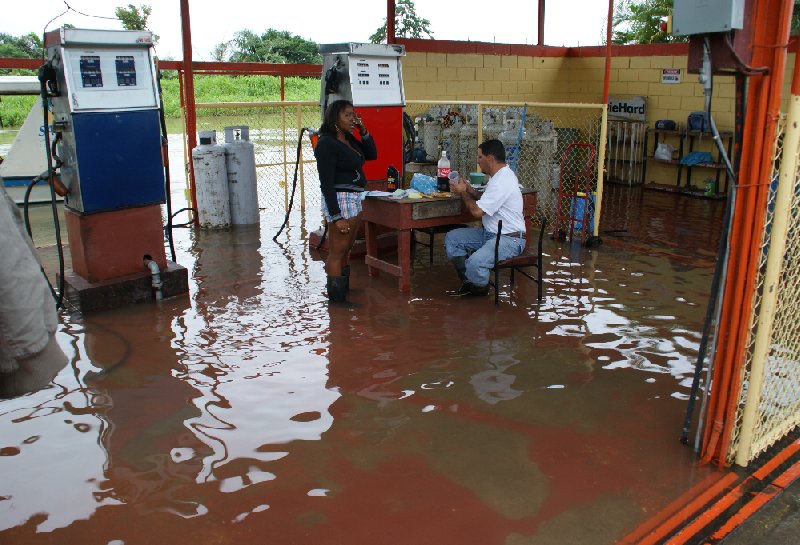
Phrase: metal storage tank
(211, 182)
(240, 162)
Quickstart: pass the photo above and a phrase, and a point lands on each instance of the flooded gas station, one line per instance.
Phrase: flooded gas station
(252, 409)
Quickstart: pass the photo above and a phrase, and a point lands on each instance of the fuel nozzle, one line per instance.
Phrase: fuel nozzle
(313, 136)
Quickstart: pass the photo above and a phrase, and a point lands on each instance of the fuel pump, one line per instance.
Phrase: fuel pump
(105, 108)
(371, 77)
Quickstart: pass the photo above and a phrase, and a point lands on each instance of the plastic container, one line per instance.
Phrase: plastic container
(443, 173)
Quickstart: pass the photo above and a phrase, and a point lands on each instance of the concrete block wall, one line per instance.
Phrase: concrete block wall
(435, 70)
(488, 77)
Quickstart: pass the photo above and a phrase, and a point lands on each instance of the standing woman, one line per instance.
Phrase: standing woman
(340, 160)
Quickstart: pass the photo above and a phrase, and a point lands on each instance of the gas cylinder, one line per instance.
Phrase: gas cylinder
(450, 141)
(240, 162)
(211, 182)
(432, 135)
(468, 147)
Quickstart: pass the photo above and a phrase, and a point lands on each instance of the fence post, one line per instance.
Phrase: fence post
(772, 278)
(601, 154)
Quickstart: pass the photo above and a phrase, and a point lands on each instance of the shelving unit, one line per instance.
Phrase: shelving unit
(687, 141)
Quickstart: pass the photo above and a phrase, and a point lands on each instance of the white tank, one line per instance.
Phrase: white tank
(493, 124)
(431, 137)
(211, 182)
(468, 148)
(511, 142)
(450, 142)
(240, 162)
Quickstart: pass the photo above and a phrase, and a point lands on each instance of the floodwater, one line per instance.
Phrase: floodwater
(249, 411)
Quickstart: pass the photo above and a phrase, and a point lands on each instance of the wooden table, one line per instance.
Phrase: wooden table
(403, 215)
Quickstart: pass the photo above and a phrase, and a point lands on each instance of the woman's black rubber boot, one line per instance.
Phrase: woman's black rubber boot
(346, 274)
(337, 289)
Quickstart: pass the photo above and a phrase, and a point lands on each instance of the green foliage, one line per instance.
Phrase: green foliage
(407, 24)
(639, 22)
(796, 18)
(273, 46)
(28, 46)
(14, 110)
(238, 89)
(134, 18)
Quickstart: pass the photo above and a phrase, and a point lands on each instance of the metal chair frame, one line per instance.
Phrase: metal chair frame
(524, 260)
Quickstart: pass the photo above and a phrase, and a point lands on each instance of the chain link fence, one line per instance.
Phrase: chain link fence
(275, 128)
(552, 148)
(778, 410)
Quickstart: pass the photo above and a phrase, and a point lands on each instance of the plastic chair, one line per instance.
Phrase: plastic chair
(521, 262)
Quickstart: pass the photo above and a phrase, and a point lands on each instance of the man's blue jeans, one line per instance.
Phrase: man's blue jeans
(481, 242)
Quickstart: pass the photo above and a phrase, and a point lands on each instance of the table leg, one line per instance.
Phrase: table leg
(371, 238)
(404, 259)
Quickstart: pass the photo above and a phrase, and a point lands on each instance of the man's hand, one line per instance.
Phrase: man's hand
(458, 186)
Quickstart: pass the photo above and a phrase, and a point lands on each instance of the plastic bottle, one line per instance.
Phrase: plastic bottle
(442, 173)
(391, 178)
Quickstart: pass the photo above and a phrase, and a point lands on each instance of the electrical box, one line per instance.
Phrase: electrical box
(706, 16)
(106, 117)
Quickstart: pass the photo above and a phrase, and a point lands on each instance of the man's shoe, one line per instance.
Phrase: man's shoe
(478, 290)
(471, 289)
(463, 290)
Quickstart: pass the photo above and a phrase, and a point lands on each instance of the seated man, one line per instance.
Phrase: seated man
(501, 200)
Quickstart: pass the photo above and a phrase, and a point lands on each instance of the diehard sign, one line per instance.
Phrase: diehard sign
(627, 109)
(670, 75)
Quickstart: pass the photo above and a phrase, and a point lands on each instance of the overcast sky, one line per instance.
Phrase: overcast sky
(567, 22)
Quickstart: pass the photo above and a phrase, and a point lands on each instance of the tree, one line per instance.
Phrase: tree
(134, 18)
(273, 46)
(407, 24)
(640, 22)
(29, 46)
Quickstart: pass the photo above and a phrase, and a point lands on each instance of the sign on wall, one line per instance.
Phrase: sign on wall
(627, 109)
(670, 75)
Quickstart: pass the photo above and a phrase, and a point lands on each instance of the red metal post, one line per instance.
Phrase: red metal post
(540, 22)
(390, 14)
(188, 85)
(770, 44)
(283, 89)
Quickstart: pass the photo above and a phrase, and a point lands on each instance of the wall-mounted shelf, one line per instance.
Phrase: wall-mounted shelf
(687, 141)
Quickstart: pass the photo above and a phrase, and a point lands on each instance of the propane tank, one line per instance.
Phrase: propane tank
(493, 125)
(211, 182)
(468, 147)
(511, 141)
(450, 142)
(240, 161)
(432, 135)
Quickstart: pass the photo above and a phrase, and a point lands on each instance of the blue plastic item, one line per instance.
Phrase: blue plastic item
(578, 204)
(696, 158)
(423, 183)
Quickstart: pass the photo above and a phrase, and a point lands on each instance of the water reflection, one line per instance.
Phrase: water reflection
(254, 408)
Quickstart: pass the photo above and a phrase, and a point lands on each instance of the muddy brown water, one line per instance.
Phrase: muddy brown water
(249, 411)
